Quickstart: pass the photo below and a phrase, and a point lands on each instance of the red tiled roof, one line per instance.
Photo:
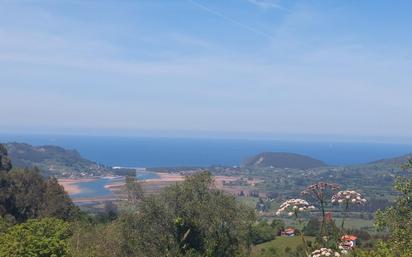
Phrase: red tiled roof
(349, 238)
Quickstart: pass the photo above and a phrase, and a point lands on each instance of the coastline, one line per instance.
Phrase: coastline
(151, 185)
(70, 184)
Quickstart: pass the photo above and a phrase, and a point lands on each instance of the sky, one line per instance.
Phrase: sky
(232, 67)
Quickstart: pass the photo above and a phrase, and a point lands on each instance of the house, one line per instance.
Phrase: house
(348, 241)
(288, 232)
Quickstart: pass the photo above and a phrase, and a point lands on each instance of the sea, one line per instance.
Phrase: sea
(147, 152)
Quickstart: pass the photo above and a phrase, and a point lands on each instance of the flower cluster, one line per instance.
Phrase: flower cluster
(325, 252)
(320, 186)
(343, 249)
(294, 206)
(348, 197)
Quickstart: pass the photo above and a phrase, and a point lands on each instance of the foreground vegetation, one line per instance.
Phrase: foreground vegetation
(189, 219)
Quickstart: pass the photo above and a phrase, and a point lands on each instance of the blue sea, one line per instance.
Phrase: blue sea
(168, 152)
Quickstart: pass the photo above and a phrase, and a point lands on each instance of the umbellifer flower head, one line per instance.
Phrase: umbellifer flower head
(294, 206)
(325, 252)
(319, 187)
(347, 197)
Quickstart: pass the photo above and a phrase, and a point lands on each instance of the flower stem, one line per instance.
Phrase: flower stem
(322, 227)
(344, 215)
(302, 237)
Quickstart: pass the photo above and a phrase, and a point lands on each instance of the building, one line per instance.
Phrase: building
(348, 241)
(288, 232)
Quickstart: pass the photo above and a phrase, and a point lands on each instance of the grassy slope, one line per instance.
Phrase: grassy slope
(280, 243)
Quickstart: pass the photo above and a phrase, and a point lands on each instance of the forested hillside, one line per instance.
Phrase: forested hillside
(283, 160)
(52, 160)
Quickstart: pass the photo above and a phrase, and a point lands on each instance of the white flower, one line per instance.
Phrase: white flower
(294, 206)
(324, 252)
(348, 196)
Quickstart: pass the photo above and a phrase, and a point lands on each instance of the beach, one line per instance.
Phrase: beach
(71, 186)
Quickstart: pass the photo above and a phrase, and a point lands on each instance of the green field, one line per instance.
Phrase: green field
(354, 223)
(278, 246)
(248, 201)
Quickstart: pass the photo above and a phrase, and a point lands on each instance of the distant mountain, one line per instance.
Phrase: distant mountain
(52, 160)
(283, 160)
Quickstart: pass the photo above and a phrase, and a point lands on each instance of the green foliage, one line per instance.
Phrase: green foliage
(25, 194)
(278, 225)
(187, 219)
(41, 238)
(397, 220)
(101, 240)
(4, 225)
(262, 232)
(133, 189)
(312, 228)
(56, 202)
(5, 163)
(382, 249)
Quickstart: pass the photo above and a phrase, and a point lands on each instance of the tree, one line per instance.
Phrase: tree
(5, 166)
(5, 162)
(262, 232)
(96, 240)
(43, 238)
(56, 202)
(398, 221)
(278, 225)
(188, 219)
(108, 214)
(134, 190)
(25, 194)
(22, 194)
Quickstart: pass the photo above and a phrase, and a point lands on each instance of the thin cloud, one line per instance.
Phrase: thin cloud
(266, 4)
(238, 23)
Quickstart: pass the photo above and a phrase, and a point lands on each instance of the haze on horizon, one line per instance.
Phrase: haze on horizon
(266, 66)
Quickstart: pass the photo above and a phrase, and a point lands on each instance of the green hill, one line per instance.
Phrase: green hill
(283, 160)
(396, 161)
(52, 160)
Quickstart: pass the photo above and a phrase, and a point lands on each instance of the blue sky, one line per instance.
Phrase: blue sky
(258, 67)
